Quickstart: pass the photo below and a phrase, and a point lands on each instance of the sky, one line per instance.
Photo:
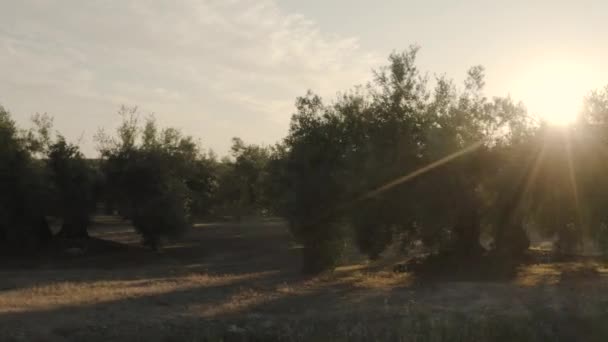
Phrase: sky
(223, 68)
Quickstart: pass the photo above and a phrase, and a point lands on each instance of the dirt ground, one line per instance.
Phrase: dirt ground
(241, 282)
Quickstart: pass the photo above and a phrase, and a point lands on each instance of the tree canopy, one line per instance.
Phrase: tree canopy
(405, 159)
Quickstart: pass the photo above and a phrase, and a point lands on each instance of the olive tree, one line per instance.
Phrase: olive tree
(23, 226)
(156, 178)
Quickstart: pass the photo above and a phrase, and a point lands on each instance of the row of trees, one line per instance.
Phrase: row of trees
(404, 159)
(41, 175)
(159, 179)
(343, 160)
(440, 165)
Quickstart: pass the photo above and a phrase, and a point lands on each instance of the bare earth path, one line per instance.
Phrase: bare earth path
(241, 282)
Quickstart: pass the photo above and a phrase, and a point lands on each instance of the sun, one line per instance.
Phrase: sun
(553, 91)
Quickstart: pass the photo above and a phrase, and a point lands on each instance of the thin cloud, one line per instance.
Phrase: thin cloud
(191, 62)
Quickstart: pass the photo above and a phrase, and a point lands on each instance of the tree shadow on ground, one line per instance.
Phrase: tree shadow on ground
(345, 305)
(229, 280)
(194, 308)
(452, 267)
(212, 249)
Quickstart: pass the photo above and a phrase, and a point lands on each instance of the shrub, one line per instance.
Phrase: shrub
(166, 213)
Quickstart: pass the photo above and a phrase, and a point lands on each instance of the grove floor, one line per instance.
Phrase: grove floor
(241, 281)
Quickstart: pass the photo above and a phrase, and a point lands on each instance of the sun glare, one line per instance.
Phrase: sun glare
(554, 91)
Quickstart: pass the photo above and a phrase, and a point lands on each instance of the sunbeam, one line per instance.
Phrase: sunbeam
(571, 172)
(421, 171)
(536, 167)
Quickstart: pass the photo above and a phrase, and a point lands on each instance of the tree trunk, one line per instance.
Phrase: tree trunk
(74, 229)
(43, 230)
(467, 232)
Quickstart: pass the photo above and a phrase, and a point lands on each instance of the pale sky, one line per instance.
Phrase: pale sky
(223, 68)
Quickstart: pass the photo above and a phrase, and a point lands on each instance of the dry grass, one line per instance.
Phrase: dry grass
(47, 297)
(227, 279)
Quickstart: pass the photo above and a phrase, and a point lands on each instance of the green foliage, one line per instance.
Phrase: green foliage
(518, 177)
(569, 239)
(341, 160)
(22, 223)
(511, 241)
(589, 166)
(243, 181)
(157, 178)
(202, 186)
(595, 108)
(323, 245)
(72, 193)
(164, 212)
(405, 156)
(314, 181)
(602, 239)
(68, 178)
(274, 183)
